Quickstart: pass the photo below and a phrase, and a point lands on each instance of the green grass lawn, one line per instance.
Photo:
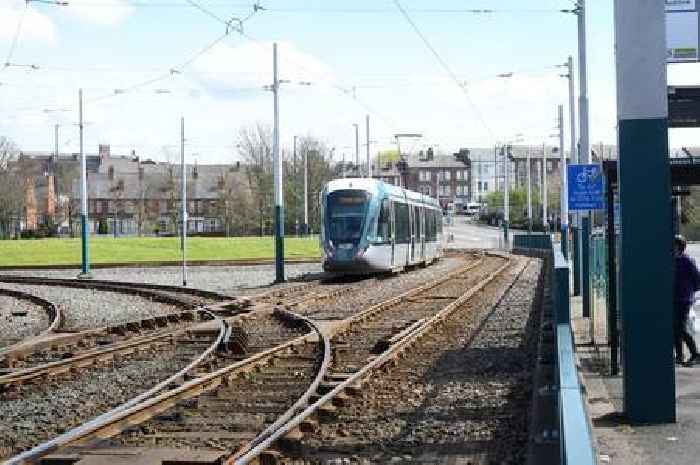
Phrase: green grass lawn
(149, 249)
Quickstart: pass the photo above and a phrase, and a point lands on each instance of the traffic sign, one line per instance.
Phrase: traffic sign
(585, 187)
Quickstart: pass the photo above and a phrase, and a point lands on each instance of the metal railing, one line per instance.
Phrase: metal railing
(536, 241)
(575, 436)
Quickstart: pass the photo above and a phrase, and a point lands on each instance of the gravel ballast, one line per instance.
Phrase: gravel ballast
(231, 280)
(89, 308)
(20, 319)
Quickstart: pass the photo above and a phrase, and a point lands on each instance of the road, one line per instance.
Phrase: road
(468, 234)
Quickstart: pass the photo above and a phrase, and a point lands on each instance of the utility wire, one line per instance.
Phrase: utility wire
(445, 66)
(15, 39)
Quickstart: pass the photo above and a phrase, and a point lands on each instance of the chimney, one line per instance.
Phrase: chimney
(110, 173)
(134, 157)
(103, 151)
(195, 172)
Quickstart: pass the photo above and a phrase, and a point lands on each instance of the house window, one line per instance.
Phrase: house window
(424, 175)
(461, 190)
(425, 190)
(444, 190)
(445, 175)
(486, 186)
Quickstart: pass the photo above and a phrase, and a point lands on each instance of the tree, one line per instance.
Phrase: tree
(233, 203)
(66, 173)
(11, 187)
(255, 148)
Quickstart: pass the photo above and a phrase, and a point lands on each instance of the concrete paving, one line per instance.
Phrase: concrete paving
(617, 441)
(468, 234)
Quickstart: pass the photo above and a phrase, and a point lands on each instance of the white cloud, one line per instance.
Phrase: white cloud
(226, 69)
(35, 27)
(107, 12)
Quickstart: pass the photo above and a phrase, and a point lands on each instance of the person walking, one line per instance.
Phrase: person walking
(686, 282)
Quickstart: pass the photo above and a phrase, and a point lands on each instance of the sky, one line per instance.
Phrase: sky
(144, 64)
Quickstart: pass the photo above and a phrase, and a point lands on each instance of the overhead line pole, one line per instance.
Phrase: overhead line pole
(369, 161)
(529, 192)
(306, 189)
(357, 147)
(585, 154)
(183, 243)
(563, 200)
(545, 223)
(277, 165)
(85, 268)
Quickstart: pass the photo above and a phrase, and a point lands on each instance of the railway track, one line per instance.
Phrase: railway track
(40, 324)
(238, 408)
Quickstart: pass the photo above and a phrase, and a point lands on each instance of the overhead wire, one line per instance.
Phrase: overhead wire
(445, 66)
(15, 38)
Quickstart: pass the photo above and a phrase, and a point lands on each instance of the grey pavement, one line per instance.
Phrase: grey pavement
(468, 234)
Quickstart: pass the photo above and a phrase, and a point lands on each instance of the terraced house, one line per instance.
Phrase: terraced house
(129, 196)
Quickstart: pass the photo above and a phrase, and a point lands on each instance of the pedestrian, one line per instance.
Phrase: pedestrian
(687, 281)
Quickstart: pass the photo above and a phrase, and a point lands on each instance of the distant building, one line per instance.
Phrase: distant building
(126, 194)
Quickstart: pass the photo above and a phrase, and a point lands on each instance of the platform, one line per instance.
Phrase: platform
(617, 441)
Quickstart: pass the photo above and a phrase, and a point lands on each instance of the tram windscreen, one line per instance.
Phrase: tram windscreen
(345, 216)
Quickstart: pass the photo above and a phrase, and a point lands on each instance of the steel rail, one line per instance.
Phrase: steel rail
(29, 346)
(61, 366)
(396, 349)
(104, 282)
(41, 450)
(131, 413)
(53, 312)
(303, 400)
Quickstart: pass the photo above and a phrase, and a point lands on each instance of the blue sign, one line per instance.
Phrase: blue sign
(585, 187)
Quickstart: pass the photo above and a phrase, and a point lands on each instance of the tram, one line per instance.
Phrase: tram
(369, 226)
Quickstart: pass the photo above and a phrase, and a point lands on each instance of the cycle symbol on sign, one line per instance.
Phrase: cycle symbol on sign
(588, 175)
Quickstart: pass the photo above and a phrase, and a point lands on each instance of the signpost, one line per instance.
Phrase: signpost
(682, 31)
(585, 187)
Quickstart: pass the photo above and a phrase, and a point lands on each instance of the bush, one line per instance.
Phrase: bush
(102, 227)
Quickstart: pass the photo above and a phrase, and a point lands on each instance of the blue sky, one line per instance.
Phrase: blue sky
(103, 45)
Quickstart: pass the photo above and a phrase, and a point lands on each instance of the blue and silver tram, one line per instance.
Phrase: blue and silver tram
(370, 226)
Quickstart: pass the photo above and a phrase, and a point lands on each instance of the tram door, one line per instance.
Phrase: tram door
(422, 233)
(412, 221)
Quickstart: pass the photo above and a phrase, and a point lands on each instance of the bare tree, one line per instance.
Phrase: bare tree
(255, 147)
(11, 187)
(234, 203)
(66, 174)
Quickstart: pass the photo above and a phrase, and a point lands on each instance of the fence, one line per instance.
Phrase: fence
(576, 439)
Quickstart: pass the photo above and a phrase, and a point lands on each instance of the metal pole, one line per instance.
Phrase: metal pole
(545, 223)
(583, 83)
(369, 161)
(55, 129)
(357, 147)
(279, 200)
(306, 190)
(529, 192)
(563, 200)
(574, 158)
(296, 191)
(183, 244)
(585, 151)
(506, 196)
(85, 269)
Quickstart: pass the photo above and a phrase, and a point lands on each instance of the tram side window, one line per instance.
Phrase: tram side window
(430, 225)
(438, 215)
(402, 224)
(384, 222)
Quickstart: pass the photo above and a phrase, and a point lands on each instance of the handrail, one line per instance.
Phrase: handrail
(576, 444)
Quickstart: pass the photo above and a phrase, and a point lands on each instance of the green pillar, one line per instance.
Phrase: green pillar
(577, 259)
(279, 244)
(85, 268)
(646, 261)
(586, 265)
